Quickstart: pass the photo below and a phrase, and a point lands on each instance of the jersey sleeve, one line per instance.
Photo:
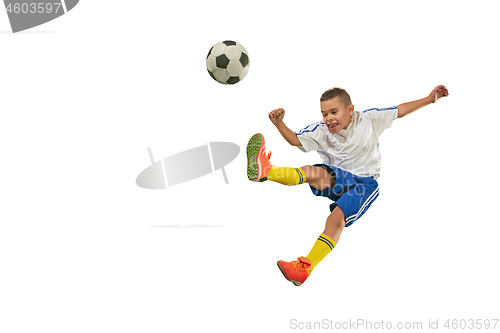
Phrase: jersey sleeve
(382, 118)
(310, 137)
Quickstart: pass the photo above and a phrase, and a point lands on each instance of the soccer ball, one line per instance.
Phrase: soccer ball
(227, 62)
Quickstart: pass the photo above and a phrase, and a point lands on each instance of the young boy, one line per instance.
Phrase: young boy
(348, 143)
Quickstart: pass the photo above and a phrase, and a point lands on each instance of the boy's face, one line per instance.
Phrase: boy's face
(336, 115)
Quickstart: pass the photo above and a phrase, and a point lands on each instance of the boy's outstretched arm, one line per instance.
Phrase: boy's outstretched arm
(407, 108)
(276, 117)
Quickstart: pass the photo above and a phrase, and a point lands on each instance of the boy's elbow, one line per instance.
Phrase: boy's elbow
(295, 141)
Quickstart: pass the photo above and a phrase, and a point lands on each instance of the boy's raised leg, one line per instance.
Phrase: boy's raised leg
(259, 168)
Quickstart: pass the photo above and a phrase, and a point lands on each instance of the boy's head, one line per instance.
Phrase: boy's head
(337, 109)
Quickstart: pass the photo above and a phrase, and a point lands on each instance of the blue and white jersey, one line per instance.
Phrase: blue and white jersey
(354, 149)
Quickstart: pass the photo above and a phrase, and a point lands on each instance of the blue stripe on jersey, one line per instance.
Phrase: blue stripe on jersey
(305, 130)
(382, 109)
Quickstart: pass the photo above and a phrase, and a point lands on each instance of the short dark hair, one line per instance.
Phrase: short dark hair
(336, 92)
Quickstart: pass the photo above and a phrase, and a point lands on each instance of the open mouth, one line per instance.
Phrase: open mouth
(333, 126)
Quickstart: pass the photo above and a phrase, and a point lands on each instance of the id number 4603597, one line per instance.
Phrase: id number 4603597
(33, 8)
(471, 324)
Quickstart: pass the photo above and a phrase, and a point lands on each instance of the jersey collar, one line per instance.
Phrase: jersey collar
(344, 134)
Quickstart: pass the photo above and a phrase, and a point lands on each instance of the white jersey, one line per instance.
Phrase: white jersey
(354, 149)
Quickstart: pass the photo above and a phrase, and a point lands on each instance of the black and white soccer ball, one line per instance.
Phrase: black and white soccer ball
(228, 62)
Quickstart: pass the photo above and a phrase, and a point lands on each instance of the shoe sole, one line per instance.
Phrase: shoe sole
(296, 283)
(254, 147)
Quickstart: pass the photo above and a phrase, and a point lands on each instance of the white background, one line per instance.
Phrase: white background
(83, 249)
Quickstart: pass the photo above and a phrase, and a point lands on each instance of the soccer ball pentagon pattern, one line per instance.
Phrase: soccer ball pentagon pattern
(228, 62)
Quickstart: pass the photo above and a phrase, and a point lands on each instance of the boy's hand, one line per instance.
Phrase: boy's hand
(438, 92)
(277, 115)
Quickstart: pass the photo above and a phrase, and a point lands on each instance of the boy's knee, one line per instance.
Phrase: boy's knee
(307, 169)
(317, 177)
(336, 218)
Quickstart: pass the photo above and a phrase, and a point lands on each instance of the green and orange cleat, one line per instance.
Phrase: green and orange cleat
(295, 271)
(258, 160)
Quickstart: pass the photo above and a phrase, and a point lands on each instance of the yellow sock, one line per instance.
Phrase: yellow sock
(286, 176)
(321, 248)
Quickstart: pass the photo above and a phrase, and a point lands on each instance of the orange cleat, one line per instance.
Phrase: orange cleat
(295, 271)
(258, 161)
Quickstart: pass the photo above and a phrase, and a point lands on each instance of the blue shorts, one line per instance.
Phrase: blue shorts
(353, 194)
